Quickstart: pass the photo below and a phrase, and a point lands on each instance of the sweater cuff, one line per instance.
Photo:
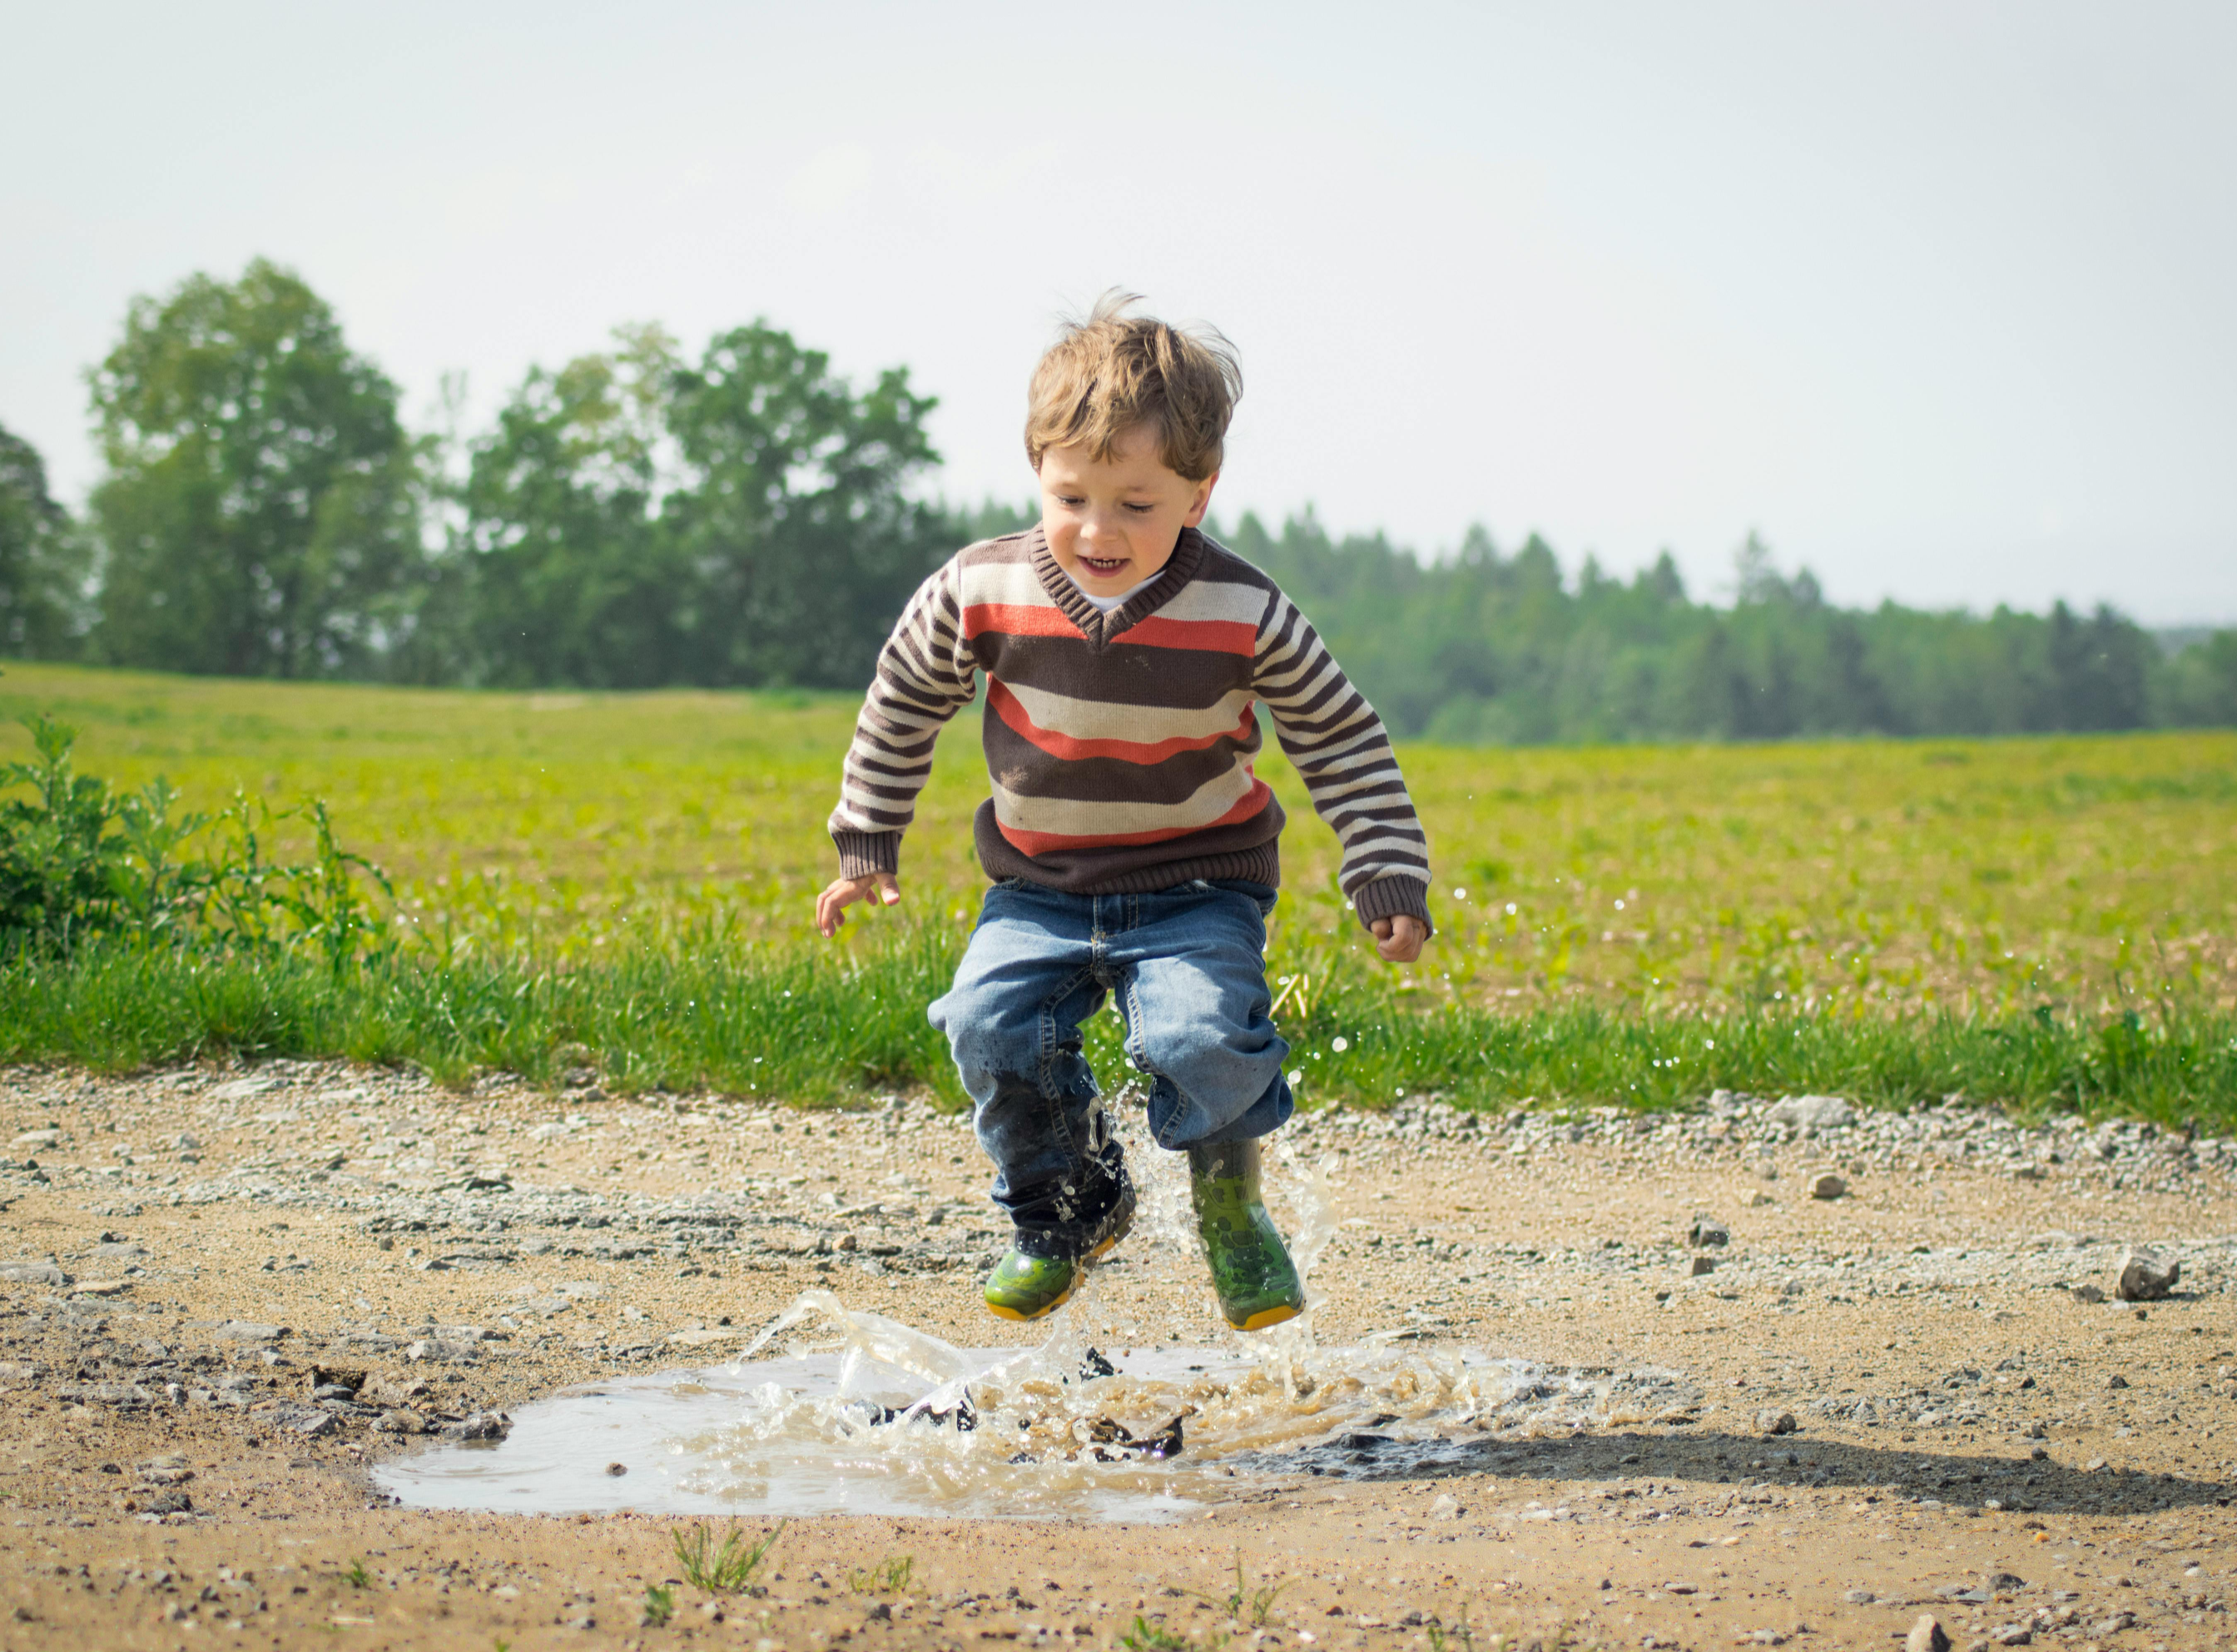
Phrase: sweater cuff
(1392, 897)
(862, 853)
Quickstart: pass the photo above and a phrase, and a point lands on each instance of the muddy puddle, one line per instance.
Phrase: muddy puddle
(836, 1411)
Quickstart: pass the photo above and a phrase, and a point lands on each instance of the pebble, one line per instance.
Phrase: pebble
(1828, 1185)
(1812, 1112)
(1926, 1636)
(1774, 1421)
(482, 1426)
(2146, 1276)
(392, 1393)
(248, 1331)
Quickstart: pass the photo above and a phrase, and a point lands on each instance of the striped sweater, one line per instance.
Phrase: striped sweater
(1120, 744)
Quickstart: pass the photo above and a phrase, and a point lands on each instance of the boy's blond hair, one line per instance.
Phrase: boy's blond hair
(1113, 372)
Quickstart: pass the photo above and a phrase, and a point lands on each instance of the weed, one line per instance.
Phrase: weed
(1457, 1634)
(728, 1569)
(1146, 1636)
(77, 860)
(886, 1577)
(356, 1576)
(1247, 1605)
(659, 1605)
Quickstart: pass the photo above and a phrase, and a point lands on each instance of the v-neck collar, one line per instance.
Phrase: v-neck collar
(1099, 628)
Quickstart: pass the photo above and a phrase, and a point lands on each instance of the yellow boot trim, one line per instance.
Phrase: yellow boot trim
(1267, 1316)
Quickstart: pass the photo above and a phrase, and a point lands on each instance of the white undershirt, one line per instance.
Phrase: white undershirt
(1111, 604)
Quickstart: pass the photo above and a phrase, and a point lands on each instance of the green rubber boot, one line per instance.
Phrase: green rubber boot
(1038, 1277)
(1257, 1283)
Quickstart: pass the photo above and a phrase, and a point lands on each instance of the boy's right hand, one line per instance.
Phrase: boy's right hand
(831, 906)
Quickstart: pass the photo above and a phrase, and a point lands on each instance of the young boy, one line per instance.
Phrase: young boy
(1132, 848)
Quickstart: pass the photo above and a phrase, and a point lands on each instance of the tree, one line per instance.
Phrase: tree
(42, 565)
(635, 521)
(793, 516)
(569, 578)
(2201, 682)
(259, 516)
(2098, 670)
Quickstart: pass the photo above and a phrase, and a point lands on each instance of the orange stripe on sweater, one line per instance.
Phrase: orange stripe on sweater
(1007, 705)
(1208, 636)
(1016, 619)
(1046, 842)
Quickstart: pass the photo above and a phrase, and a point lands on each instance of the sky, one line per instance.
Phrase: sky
(1935, 297)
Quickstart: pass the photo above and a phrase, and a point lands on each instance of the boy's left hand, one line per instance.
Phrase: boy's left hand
(1399, 940)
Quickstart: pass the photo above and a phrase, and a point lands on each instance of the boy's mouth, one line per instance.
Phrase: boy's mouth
(1103, 567)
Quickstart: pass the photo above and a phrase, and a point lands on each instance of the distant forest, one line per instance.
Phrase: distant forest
(641, 517)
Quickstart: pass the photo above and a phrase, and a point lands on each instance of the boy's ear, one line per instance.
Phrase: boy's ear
(1201, 503)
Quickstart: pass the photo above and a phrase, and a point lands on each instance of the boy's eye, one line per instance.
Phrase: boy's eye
(1140, 510)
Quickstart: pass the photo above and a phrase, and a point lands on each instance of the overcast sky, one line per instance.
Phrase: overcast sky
(1936, 297)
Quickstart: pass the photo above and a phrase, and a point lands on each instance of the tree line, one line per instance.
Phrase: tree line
(644, 517)
(1481, 648)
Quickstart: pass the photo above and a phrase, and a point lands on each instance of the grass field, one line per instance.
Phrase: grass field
(1871, 889)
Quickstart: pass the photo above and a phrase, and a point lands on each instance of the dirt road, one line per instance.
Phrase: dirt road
(227, 1294)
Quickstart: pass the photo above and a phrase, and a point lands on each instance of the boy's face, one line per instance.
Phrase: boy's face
(1113, 523)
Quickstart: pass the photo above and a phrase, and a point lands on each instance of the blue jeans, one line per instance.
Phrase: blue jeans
(1188, 968)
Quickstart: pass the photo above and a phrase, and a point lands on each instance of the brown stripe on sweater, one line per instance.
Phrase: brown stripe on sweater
(1022, 768)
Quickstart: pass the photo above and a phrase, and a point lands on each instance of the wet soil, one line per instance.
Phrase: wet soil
(1901, 1405)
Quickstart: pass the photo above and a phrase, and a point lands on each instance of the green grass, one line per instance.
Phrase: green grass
(726, 1567)
(625, 880)
(1975, 877)
(829, 1026)
(889, 1576)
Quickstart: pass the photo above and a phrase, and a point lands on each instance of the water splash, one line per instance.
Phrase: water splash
(863, 1414)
